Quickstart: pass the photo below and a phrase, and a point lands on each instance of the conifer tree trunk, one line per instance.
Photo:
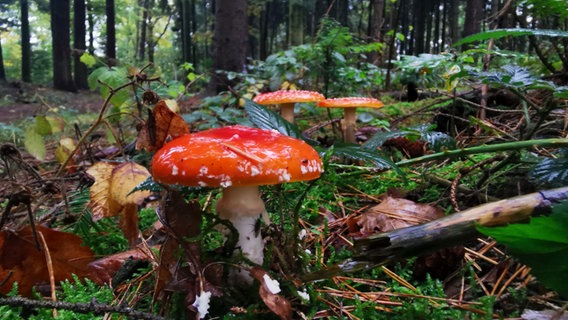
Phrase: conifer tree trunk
(110, 48)
(26, 46)
(60, 26)
(79, 38)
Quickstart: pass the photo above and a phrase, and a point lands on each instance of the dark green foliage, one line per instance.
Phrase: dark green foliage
(552, 172)
(270, 120)
(512, 32)
(542, 244)
(437, 141)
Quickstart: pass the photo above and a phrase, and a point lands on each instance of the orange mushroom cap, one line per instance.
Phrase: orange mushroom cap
(235, 156)
(288, 96)
(351, 102)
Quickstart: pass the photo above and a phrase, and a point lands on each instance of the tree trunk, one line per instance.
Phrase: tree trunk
(419, 26)
(453, 20)
(60, 26)
(295, 22)
(229, 42)
(473, 17)
(26, 46)
(376, 19)
(79, 38)
(2, 70)
(111, 33)
(143, 29)
(91, 28)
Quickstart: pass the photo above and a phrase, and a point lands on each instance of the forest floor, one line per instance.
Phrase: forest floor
(19, 101)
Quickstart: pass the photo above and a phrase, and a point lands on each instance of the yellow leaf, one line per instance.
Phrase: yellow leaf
(66, 145)
(172, 105)
(101, 203)
(126, 177)
(34, 144)
(57, 123)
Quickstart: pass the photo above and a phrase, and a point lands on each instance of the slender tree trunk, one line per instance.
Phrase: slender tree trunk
(295, 22)
(2, 70)
(143, 29)
(229, 42)
(473, 17)
(185, 30)
(79, 38)
(376, 19)
(453, 21)
(26, 46)
(419, 26)
(60, 26)
(111, 32)
(91, 27)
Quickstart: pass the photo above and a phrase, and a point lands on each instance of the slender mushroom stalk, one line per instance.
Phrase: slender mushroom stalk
(349, 106)
(287, 100)
(239, 159)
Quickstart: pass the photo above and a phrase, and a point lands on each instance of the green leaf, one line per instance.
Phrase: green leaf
(513, 32)
(552, 172)
(356, 152)
(34, 143)
(270, 120)
(42, 126)
(110, 78)
(379, 138)
(88, 59)
(437, 141)
(514, 77)
(542, 244)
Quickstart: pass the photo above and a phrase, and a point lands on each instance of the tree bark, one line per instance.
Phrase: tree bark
(229, 42)
(473, 17)
(295, 22)
(79, 38)
(143, 28)
(110, 48)
(2, 69)
(60, 26)
(25, 38)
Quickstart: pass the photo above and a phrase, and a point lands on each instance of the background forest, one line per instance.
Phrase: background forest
(449, 202)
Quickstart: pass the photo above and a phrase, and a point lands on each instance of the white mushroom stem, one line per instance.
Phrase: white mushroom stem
(349, 124)
(287, 111)
(242, 206)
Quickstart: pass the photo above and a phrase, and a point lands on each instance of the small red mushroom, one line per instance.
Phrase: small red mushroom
(349, 106)
(287, 100)
(239, 159)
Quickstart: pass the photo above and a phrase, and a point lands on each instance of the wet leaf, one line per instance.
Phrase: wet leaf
(162, 124)
(275, 302)
(27, 265)
(395, 213)
(102, 270)
(57, 123)
(34, 144)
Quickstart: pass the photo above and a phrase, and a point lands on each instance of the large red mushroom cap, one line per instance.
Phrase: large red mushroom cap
(288, 96)
(350, 102)
(235, 156)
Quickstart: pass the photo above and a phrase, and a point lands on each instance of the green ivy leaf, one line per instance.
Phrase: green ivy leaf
(511, 32)
(270, 120)
(34, 143)
(542, 244)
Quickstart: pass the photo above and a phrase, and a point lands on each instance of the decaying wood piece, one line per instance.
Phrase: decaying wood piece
(458, 228)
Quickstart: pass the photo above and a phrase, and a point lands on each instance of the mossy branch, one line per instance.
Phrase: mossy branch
(451, 230)
(507, 146)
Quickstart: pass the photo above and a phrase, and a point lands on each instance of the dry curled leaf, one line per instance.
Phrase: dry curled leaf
(162, 123)
(112, 195)
(395, 213)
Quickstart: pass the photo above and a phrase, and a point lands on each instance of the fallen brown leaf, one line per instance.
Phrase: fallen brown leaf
(22, 262)
(162, 123)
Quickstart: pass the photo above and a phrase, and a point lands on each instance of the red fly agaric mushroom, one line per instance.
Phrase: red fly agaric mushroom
(287, 100)
(349, 105)
(239, 159)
